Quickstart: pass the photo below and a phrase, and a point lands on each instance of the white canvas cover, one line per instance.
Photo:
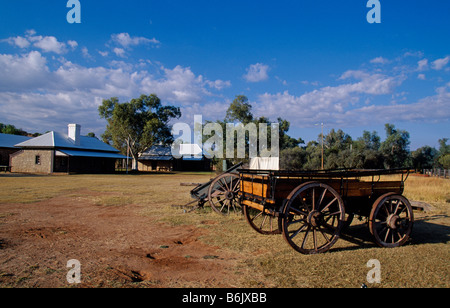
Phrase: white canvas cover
(265, 163)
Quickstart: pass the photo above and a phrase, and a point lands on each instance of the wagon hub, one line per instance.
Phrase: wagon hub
(393, 221)
(315, 218)
(229, 195)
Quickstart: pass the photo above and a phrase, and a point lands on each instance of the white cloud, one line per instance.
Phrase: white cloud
(44, 43)
(180, 85)
(375, 84)
(322, 106)
(120, 52)
(326, 103)
(48, 44)
(86, 54)
(379, 60)
(72, 44)
(104, 53)
(43, 98)
(422, 110)
(421, 76)
(313, 83)
(440, 63)
(23, 72)
(218, 84)
(422, 65)
(18, 41)
(257, 72)
(126, 41)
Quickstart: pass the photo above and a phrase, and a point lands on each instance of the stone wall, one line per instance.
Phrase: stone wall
(26, 161)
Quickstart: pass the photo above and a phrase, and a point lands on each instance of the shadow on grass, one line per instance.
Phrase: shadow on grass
(21, 175)
(425, 231)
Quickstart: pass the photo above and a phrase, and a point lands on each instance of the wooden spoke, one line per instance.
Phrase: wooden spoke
(263, 223)
(391, 220)
(223, 194)
(312, 218)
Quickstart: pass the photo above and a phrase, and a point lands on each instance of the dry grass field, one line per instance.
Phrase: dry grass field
(126, 232)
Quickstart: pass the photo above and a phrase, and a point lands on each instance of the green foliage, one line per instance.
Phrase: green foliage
(142, 121)
(293, 158)
(395, 148)
(443, 156)
(424, 157)
(444, 148)
(286, 141)
(11, 130)
(444, 161)
(313, 156)
(367, 152)
(240, 110)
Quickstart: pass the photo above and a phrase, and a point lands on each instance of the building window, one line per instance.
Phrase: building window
(38, 159)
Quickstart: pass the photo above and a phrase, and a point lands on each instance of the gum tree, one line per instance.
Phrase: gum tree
(140, 123)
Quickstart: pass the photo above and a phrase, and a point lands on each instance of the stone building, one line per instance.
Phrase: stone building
(67, 153)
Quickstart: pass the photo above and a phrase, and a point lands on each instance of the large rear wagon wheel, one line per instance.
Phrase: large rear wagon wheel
(391, 220)
(313, 217)
(223, 194)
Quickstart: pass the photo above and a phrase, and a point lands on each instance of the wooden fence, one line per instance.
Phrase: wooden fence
(441, 173)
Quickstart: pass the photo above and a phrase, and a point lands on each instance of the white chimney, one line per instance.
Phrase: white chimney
(74, 133)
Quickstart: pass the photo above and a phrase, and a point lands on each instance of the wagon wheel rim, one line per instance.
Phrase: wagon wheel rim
(313, 218)
(391, 220)
(262, 222)
(223, 194)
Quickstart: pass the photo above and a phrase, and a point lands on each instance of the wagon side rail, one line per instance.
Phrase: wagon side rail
(268, 187)
(332, 173)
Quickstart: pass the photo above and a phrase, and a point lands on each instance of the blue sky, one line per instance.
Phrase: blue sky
(308, 62)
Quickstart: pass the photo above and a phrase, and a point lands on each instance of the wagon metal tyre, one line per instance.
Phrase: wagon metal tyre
(264, 223)
(223, 194)
(313, 217)
(391, 220)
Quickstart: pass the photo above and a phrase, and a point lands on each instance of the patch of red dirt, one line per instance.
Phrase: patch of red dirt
(116, 246)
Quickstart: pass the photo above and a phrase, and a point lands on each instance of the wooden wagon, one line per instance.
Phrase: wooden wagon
(221, 192)
(311, 208)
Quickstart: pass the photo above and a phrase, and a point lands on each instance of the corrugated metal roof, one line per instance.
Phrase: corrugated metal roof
(8, 141)
(75, 153)
(154, 157)
(158, 150)
(58, 140)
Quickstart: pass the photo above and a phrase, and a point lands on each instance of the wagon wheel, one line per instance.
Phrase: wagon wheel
(313, 218)
(391, 220)
(263, 222)
(223, 194)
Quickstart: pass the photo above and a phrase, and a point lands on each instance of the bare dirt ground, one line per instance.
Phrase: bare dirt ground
(116, 246)
(125, 232)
